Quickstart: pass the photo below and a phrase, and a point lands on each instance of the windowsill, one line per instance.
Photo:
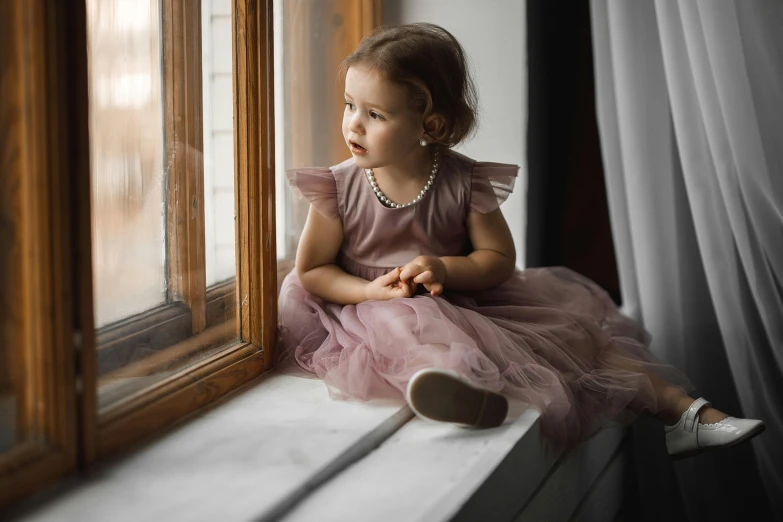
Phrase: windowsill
(237, 461)
(430, 472)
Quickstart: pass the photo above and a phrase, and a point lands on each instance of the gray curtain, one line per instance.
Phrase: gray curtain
(689, 97)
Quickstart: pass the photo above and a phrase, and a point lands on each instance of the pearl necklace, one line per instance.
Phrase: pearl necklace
(389, 203)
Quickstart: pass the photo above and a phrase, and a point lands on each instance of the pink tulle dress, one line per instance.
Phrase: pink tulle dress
(547, 336)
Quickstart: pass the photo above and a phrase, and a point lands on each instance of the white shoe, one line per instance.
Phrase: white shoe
(688, 437)
(446, 396)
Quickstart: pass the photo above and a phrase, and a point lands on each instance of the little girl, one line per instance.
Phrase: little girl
(405, 280)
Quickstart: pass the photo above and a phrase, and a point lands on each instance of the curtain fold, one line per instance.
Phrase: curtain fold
(689, 97)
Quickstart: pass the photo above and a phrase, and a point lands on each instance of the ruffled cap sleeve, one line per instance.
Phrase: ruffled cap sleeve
(318, 185)
(491, 185)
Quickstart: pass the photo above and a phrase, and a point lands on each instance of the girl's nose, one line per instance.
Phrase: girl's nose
(355, 124)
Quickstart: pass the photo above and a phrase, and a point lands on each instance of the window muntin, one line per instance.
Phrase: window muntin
(162, 171)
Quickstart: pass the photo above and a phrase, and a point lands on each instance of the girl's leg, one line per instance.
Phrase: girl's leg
(673, 402)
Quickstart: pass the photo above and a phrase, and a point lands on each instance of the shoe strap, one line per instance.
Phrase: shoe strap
(692, 414)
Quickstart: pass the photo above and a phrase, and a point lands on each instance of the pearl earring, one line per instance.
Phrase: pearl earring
(423, 142)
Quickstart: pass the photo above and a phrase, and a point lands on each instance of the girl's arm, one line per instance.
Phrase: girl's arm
(319, 274)
(315, 262)
(492, 261)
(493, 258)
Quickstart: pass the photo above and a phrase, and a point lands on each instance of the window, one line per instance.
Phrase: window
(185, 344)
(163, 299)
(312, 39)
(137, 250)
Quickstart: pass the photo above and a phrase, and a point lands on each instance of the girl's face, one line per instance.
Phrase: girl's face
(380, 126)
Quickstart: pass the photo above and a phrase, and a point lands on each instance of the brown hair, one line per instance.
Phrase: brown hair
(432, 64)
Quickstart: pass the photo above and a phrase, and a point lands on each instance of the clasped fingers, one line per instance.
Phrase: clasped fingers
(427, 270)
(389, 286)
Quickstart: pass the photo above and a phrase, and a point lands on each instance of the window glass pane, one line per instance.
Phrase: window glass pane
(311, 40)
(218, 141)
(163, 188)
(126, 157)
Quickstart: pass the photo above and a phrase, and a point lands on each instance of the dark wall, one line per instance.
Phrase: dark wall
(568, 219)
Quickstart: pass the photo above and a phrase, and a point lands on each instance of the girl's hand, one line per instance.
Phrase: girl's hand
(427, 270)
(388, 286)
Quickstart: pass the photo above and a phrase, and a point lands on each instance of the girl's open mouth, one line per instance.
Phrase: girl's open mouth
(357, 149)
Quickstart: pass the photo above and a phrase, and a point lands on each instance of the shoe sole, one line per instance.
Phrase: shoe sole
(749, 435)
(445, 397)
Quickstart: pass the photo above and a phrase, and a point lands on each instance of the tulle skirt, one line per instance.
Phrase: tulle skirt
(548, 336)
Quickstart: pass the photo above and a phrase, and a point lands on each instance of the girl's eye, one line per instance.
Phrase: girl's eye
(374, 115)
(350, 105)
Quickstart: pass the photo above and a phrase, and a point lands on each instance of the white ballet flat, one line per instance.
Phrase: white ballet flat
(688, 437)
(446, 396)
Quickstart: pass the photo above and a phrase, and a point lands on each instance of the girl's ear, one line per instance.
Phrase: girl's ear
(433, 125)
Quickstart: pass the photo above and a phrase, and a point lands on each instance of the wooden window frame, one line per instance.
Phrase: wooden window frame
(190, 308)
(45, 148)
(141, 415)
(157, 329)
(184, 146)
(47, 196)
(41, 149)
(166, 335)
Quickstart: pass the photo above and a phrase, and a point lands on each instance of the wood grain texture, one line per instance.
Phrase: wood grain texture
(86, 357)
(255, 180)
(29, 467)
(266, 142)
(44, 133)
(220, 303)
(140, 417)
(12, 296)
(184, 135)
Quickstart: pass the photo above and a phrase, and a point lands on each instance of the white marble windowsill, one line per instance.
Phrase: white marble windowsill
(237, 461)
